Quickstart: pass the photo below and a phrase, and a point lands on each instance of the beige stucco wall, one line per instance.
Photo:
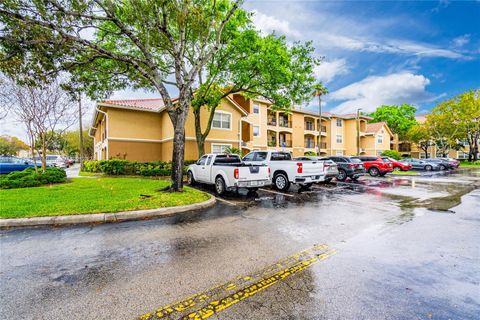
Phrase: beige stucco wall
(135, 151)
(132, 124)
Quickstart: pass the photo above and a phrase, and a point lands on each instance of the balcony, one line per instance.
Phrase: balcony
(323, 145)
(285, 123)
(285, 143)
(272, 122)
(309, 144)
(324, 129)
(309, 126)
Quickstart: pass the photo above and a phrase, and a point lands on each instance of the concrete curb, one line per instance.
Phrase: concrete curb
(104, 217)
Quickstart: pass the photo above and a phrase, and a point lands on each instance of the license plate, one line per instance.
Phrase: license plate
(254, 183)
(314, 177)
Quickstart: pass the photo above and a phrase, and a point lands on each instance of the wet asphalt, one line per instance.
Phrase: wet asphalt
(400, 248)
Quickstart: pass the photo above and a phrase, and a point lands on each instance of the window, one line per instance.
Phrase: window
(339, 138)
(256, 131)
(280, 156)
(462, 155)
(260, 156)
(209, 160)
(256, 108)
(380, 138)
(202, 160)
(220, 148)
(339, 123)
(221, 120)
(249, 157)
(339, 153)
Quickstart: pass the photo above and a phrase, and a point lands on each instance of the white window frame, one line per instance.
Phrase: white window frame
(256, 106)
(258, 135)
(380, 138)
(225, 145)
(339, 121)
(341, 138)
(221, 112)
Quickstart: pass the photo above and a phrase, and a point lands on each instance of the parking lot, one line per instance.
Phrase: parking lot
(380, 248)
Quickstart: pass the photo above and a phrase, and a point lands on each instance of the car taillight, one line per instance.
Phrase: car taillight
(236, 174)
(353, 165)
(268, 170)
(299, 167)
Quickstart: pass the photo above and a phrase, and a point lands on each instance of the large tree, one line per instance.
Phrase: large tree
(398, 118)
(421, 136)
(117, 44)
(253, 66)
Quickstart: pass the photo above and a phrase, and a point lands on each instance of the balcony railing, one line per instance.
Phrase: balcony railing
(323, 145)
(285, 143)
(272, 143)
(272, 122)
(309, 126)
(285, 123)
(309, 144)
(324, 129)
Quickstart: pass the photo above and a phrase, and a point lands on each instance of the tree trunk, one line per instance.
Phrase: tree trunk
(33, 153)
(475, 149)
(178, 117)
(80, 151)
(44, 152)
(198, 133)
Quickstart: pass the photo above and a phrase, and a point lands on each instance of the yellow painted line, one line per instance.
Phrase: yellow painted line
(223, 296)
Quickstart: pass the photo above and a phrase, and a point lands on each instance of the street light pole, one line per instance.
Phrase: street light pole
(358, 131)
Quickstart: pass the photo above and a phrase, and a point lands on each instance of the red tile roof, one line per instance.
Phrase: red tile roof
(154, 104)
(374, 127)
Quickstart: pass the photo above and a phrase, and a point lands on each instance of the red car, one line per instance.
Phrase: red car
(375, 165)
(399, 165)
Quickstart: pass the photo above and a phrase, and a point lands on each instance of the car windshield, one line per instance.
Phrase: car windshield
(355, 160)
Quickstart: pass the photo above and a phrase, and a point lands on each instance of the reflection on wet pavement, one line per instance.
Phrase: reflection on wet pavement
(408, 247)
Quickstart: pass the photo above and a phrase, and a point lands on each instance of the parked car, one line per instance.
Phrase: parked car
(442, 164)
(400, 165)
(54, 160)
(419, 164)
(10, 164)
(330, 168)
(453, 163)
(284, 170)
(227, 172)
(348, 167)
(376, 165)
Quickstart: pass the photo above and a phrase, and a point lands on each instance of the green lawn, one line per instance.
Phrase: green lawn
(466, 164)
(409, 173)
(93, 195)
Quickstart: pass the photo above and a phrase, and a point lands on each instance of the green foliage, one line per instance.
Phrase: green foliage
(310, 153)
(233, 150)
(392, 154)
(9, 146)
(398, 118)
(420, 135)
(30, 178)
(125, 167)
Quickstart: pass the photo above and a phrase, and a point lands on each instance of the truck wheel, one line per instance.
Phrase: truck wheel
(373, 171)
(190, 178)
(219, 185)
(342, 175)
(281, 182)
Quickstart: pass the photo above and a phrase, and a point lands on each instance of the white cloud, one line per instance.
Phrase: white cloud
(461, 40)
(268, 24)
(328, 70)
(373, 91)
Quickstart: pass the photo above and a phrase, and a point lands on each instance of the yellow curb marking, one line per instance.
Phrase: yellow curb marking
(281, 270)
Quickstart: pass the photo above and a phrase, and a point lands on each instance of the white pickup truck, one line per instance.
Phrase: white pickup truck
(284, 170)
(228, 172)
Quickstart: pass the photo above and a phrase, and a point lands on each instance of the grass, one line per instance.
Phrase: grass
(89, 174)
(83, 195)
(408, 173)
(466, 164)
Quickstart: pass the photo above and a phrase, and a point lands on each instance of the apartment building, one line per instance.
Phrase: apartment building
(141, 130)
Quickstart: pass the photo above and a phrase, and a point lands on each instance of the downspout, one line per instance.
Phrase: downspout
(106, 127)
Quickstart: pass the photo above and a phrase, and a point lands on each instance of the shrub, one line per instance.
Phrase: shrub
(392, 154)
(310, 153)
(125, 167)
(29, 178)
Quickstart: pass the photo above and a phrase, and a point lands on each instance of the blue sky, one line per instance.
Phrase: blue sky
(383, 52)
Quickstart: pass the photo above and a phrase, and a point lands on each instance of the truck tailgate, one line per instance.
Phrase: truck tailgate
(253, 172)
(311, 168)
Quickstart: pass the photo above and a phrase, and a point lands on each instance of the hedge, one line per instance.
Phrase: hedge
(392, 154)
(125, 167)
(30, 178)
